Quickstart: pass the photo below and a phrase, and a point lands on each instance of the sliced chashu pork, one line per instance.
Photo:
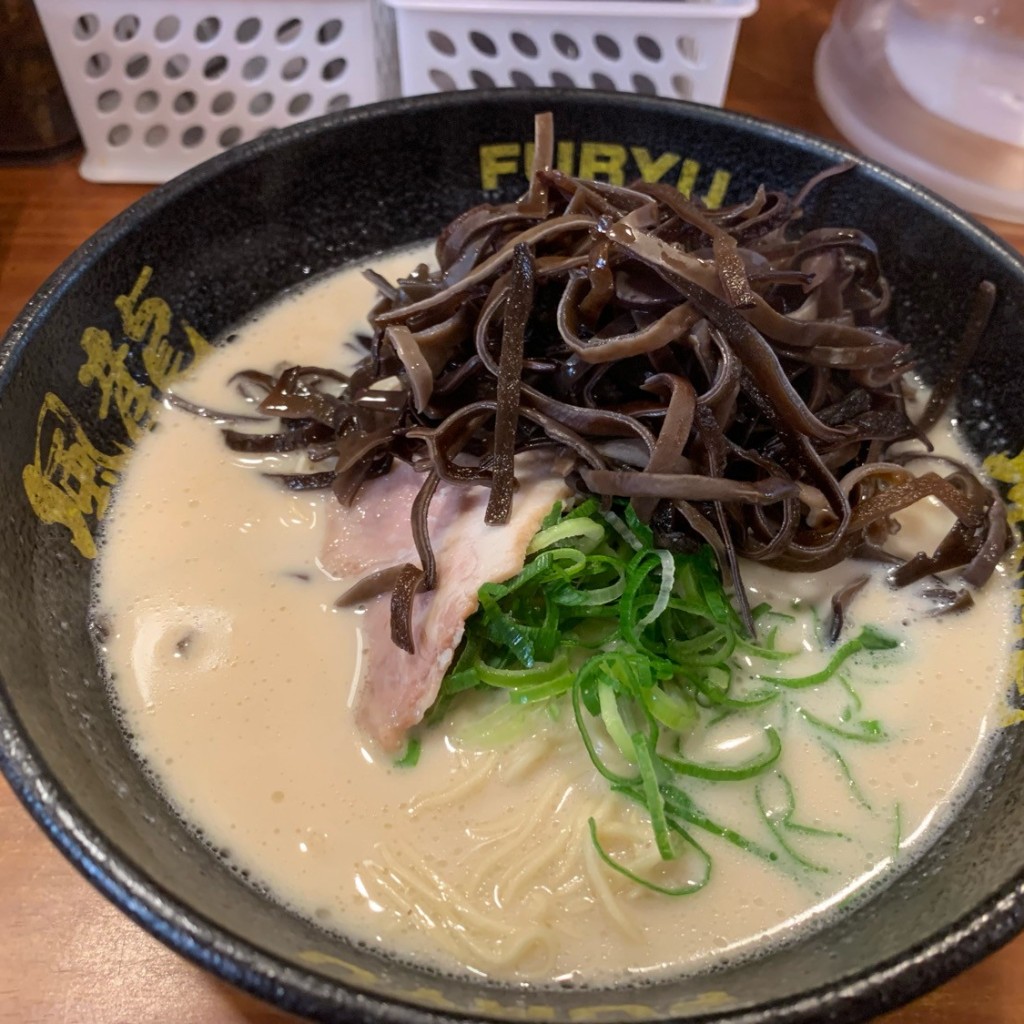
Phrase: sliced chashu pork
(396, 687)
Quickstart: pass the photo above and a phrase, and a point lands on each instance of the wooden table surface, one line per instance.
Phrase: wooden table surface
(66, 955)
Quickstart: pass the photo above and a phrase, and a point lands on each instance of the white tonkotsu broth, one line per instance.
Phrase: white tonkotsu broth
(236, 678)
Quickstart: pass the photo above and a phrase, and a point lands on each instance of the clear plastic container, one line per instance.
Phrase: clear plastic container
(934, 88)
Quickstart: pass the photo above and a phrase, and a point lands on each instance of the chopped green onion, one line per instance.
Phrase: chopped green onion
(539, 672)
(613, 722)
(681, 806)
(504, 724)
(666, 890)
(674, 710)
(870, 639)
(649, 649)
(730, 773)
(780, 820)
(864, 731)
(653, 800)
(628, 535)
(586, 532)
(588, 742)
(411, 755)
(668, 577)
(855, 791)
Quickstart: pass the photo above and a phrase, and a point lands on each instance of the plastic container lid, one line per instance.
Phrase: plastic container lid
(931, 88)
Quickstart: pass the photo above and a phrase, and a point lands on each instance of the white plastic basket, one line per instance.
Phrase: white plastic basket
(658, 47)
(159, 85)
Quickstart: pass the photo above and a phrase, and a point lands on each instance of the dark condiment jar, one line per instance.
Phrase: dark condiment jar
(36, 122)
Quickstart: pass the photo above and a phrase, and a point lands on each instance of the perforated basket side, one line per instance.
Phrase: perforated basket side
(159, 85)
(681, 49)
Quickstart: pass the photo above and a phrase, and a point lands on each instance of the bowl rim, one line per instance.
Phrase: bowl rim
(186, 930)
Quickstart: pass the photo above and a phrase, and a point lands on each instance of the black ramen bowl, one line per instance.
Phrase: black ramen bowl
(203, 251)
